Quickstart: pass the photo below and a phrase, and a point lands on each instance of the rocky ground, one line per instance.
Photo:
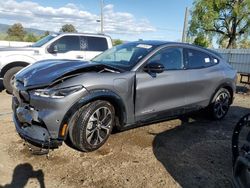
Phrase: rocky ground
(173, 153)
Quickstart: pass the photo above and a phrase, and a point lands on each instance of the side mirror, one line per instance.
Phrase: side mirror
(154, 67)
(53, 49)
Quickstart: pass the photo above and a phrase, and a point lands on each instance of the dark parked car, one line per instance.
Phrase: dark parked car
(131, 84)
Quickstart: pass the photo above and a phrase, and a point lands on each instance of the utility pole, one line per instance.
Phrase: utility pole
(184, 32)
(101, 4)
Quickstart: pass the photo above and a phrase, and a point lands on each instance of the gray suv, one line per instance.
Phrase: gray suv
(128, 85)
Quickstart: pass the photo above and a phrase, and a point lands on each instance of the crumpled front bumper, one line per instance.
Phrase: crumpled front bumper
(30, 132)
(36, 135)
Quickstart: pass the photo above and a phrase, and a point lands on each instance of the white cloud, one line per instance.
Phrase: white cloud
(33, 15)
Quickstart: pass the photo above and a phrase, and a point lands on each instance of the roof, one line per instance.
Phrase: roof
(160, 43)
(76, 33)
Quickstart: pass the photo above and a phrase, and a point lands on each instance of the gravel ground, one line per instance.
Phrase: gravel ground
(193, 153)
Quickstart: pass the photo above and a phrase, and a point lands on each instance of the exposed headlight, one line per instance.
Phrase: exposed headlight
(57, 93)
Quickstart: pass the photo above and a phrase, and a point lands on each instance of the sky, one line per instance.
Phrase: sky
(123, 19)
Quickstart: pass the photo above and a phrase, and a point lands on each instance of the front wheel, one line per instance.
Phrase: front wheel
(8, 78)
(93, 125)
(220, 104)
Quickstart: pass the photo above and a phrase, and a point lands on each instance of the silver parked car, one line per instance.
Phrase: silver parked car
(131, 84)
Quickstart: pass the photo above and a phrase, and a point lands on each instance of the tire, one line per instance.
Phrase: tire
(241, 151)
(92, 125)
(220, 104)
(7, 78)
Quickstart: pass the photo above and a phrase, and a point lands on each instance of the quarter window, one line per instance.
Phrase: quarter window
(198, 59)
(170, 58)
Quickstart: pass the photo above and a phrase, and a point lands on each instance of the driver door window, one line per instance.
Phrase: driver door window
(170, 58)
(67, 43)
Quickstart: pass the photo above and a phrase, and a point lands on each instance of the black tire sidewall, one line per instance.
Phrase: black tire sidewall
(221, 90)
(78, 134)
(8, 76)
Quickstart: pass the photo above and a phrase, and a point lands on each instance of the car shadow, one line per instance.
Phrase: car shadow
(198, 153)
(22, 173)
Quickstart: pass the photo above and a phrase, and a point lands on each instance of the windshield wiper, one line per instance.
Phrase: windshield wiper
(114, 68)
(110, 67)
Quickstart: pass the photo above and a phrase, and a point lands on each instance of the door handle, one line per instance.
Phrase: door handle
(79, 57)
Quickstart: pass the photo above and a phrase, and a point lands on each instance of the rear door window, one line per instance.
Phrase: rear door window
(89, 43)
(197, 59)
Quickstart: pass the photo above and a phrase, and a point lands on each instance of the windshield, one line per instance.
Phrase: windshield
(124, 56)
(43, 41)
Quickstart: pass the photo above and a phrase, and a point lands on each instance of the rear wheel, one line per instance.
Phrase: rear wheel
(8, 78)
(221, 104)
(92, 126)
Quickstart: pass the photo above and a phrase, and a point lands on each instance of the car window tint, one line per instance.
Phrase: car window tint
(198, 59)
(94, 43)
(68, 43)
(170, 58)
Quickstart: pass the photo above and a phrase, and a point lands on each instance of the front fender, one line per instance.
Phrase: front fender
(93, 95)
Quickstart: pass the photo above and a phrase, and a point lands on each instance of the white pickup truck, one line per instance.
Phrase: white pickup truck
(55, 46)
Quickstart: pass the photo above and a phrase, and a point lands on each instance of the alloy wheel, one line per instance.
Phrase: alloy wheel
(221, 104)
(99, 126)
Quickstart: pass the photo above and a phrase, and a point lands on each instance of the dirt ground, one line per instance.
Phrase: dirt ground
(168, 154)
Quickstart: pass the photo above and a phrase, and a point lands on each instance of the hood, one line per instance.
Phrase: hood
(45, 73)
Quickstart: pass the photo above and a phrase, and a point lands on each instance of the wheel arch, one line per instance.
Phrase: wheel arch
(227, 86)
(11, 65)
(107, 95)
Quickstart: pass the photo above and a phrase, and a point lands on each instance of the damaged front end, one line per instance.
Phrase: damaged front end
(43, 93)
(38, 115)
(28, 122)
(40, 103)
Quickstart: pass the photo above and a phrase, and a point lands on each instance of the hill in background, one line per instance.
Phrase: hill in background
(5, 27)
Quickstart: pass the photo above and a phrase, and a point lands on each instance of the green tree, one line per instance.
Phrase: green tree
(245, 43)
(16, 32)
(201, 40)
(227, 20)
(30, 37)
(46, 33)
(117, 42)
(68, 28)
